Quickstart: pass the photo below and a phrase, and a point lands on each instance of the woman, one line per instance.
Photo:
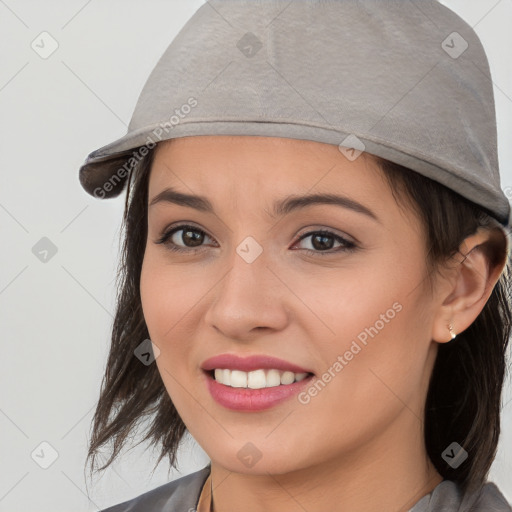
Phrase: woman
(315, 277)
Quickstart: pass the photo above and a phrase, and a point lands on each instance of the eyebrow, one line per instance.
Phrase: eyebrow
(280, 208)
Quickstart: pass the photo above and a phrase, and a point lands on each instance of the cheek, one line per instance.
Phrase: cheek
(173, 300)
(165, 303)
(168, 295)
(374, 339)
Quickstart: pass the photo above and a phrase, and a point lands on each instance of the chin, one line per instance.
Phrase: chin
(250, 460)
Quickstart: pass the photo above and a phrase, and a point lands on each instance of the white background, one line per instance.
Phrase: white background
(56, 316)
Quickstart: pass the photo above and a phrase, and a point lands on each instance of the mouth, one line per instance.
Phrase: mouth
(253, 383)
(251, 392)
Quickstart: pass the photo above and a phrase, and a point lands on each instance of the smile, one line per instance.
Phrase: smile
(248, 399)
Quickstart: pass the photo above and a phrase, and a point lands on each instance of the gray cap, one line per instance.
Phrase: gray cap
(406, 80)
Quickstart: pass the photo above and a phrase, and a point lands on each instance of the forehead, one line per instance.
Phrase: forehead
(251, 164)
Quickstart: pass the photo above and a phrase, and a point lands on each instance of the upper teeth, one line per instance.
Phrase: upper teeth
(256, 379)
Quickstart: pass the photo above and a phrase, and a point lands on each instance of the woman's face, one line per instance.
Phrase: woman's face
(253, 281)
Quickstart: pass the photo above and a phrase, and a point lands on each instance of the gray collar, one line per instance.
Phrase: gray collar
(182, 495)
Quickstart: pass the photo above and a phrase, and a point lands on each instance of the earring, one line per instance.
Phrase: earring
(450, 328)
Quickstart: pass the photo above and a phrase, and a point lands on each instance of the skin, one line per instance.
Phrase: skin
(358, 444)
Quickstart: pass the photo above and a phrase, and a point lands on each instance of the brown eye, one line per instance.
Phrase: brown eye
(183, 238)
(322, 242)
(189, 237)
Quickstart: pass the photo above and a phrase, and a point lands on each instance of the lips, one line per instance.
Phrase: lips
(251, 363)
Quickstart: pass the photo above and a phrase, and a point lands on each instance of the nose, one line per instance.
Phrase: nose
(249, 299)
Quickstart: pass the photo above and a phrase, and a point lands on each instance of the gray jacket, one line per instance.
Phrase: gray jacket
(182, 495)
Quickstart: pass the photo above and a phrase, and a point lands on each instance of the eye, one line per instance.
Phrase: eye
(190, 236)
(322, 242)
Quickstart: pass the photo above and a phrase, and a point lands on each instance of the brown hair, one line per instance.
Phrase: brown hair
(464, 396)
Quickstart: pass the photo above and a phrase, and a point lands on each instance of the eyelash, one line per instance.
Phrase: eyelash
(349, 246)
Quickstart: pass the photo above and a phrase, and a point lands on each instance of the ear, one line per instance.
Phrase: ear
(481, 260)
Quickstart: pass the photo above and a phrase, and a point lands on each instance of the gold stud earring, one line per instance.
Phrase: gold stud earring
(452, 333)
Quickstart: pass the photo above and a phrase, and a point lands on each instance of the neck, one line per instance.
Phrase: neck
(391, 472)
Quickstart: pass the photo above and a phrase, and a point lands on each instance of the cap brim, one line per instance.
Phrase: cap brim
(105, 171)
(99, 178)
